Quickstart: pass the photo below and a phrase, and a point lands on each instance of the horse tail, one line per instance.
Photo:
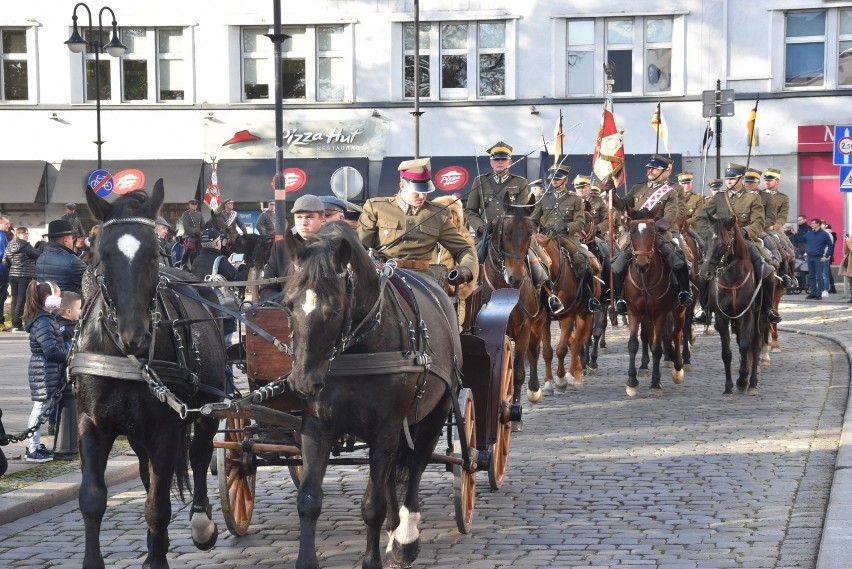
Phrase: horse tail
(182, 481)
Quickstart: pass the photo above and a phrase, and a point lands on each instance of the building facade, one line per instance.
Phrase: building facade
(197, 84)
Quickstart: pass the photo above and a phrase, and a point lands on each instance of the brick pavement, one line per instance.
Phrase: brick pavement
(689, 479)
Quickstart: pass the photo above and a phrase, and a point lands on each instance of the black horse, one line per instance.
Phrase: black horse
(136, 330)
(372, 363)
(735, 300)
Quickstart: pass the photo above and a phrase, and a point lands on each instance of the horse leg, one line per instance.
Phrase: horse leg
(688, 340)
(745, 336)
(204, 530)
(646, 358)
(404, 536)
(678, 339)
(519, 373)
(374, 506)
(759, 343)
(657, 354)
(724, 330)
(533, 351)
(582, 332)
(566, 327)
(316, 447)
(94, 452)
(158, 503)
(633, 349)
(547, 354)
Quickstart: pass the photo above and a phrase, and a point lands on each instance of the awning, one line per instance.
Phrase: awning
(250, 180)
(455, 174)
(20, 180)
(181, 178)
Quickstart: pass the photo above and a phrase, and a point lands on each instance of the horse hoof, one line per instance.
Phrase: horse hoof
(534, 396)
(643, 373)
(562, 383)
(776, 349)
(399, 555)
(631, 391)
(687, 367)
(208, 545)
(668, 363)
(765, 361)
(741, 388)
(547, 389)
(517, 426)
(592, 371)
(656, 391)
(677, 376)
(752, 391)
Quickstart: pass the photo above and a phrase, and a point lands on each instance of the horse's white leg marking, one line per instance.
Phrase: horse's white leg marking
(406, 532)
(202, 527)
(128, 245)
(310, 302)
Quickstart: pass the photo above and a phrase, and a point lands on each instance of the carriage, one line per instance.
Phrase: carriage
(262, 427)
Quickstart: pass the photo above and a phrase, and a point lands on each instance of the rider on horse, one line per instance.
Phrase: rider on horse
(192, 222)
(663, 204)
(751, 183)
(747, 208)
(229, 221)
(780, 204)
(693, 203)
(485, 203)
(599, 211)
(407, 228)
(561, 214)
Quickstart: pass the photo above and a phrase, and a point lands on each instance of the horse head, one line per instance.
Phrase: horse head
(322, 300)
(512, 242)
(719, 246)
(126, 261)
(643, 238)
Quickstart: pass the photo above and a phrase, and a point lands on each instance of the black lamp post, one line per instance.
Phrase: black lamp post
(115, 48)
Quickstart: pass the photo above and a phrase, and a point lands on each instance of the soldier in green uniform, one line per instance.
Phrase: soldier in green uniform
(692, 201)
(781, 206)
(751, 183)
(749, 211)
(561, 214)
(663, 203)
(485, 203)
(704, 286)
(407, 228)
(599, 211)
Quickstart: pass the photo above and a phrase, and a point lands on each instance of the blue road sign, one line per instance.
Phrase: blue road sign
(101, 182)
(846, 178)
(842, 145)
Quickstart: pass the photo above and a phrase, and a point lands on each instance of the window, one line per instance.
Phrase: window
(315, 63)
(152, 68)
(844, 56)
(804, 53)
(470, 63)
(13, 73)
(642, 51)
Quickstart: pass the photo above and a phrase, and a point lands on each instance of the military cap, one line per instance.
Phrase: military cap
(685, 177)
(659, 162)
(752, 175)
(308, 203)
(418, 174)
(715, 184)
(193, 201)
(596, 189)
(500, 150)
(734, 170)
(227, 201)
(70, 205)
(351, 215)
(581, 180)
(772, 174)
(536, 184)
(558, 172)
(333, 202)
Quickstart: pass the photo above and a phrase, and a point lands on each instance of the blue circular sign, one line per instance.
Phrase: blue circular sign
(101, 182)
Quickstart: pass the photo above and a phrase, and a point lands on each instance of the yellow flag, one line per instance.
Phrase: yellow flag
(658, 123)
(559, 137)
(752, 136)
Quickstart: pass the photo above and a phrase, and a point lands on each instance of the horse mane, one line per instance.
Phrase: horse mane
(640, 214)
(131, 204)
(731, 225)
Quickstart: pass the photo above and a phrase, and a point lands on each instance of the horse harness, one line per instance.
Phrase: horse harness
(722, 266)
(497, 255)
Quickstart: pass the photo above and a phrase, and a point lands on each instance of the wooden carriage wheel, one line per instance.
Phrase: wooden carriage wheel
(236, 470)
(500, 447)
(464, 483)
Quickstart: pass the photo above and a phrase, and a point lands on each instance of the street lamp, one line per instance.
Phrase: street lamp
(115, 48)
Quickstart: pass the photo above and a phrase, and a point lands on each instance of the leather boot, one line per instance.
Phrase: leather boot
(593, 304)
(703, 297)
(684, 297)
(768, 295)
(618, 286)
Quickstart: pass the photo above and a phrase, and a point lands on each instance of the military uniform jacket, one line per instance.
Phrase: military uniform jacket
(769, 209)
(383, 221)
(560, 207)
(485, 201)
(266, 223)
(231, 221)
(746, 206)
(600, 212)
(693, 203)
(75, 222)
(681, 203)
(782, 209)
(668, 206)
(192, 222)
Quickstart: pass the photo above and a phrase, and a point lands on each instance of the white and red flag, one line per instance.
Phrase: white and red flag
(212, 197)
(608, 159)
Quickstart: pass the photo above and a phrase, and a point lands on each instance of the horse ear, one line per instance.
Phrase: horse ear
(343, 253)
(293, 246)
(100, 208)
(158, 195)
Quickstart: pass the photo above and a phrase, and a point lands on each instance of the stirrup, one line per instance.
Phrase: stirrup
(621, 307)
(554, 305)
(772, 317)
(685, 298)
(594, 305)
(701, 318)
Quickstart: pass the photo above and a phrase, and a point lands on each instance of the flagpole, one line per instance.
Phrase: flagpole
(658, 127)
(609, 81)
(751, 134)
(705, 148)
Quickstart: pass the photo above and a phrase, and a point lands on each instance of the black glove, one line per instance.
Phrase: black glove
(610, 185)
(460, 275)
(480, 229)
(559, 228)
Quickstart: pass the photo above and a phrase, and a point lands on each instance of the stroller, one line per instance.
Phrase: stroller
(801, 269)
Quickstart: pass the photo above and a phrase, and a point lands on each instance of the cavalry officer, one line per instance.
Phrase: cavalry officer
(561, 213)
(266, 220)
(751, 183)
(192, 222)
(537, 188)
(230, 221)
(596, 206)
(407, 228)
(692, 202)
(781, 202)
(663, 203)
(485, 201)
(749, 211)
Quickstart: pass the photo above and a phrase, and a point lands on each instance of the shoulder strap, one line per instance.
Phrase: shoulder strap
(216, 264)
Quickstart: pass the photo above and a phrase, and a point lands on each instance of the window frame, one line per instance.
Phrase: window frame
(800, 40)
(831, 52)
(27, 57)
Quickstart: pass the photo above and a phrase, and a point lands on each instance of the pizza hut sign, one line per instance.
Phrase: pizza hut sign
(294, 179)
(127, 181)
(451, 178)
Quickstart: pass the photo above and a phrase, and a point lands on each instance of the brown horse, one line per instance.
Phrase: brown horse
(652, 301)
(505, 266)
(575, 323)
(735, 300)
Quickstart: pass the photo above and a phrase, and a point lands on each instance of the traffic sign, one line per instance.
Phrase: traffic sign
(101, 183)
(842, 145)
(846, 178)
(726, 103)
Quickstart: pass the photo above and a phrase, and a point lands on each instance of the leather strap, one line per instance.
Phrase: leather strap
(412, 264)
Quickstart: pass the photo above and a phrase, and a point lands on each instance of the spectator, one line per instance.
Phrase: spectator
(57, 261)
(798, 238)
(211, 262)
(846, 265)
(48, 354)
(829, 276)
(162, 227)
(817, 246)
(73, 218)
(266, 220)
(66, 316)
(308, 217)
(20, 260)
(4, 271)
